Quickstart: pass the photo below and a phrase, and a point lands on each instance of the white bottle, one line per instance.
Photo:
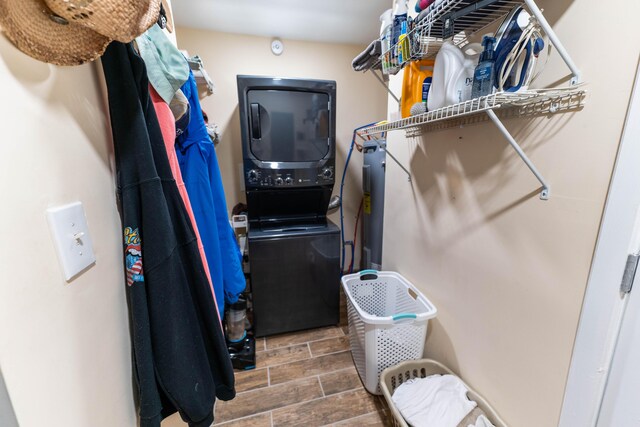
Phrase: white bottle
(386, 19)
(452, 75)
(385, 35)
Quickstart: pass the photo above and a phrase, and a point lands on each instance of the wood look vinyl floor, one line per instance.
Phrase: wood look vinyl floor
(303, 378)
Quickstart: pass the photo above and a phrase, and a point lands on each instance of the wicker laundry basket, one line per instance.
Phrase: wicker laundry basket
(392, 377)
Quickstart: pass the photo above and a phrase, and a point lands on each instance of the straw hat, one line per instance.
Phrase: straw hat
(71, 32)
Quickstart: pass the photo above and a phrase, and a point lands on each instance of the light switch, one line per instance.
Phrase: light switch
(71, 236)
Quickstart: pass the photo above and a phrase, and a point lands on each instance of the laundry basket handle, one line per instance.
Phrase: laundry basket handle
(368, 274)
(401, 316)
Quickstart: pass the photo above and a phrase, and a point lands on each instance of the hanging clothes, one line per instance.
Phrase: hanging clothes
(201, 173)
(167, 68)
(167, 123)
(181, 362)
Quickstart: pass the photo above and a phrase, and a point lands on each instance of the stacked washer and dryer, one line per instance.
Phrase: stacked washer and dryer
(288, 144)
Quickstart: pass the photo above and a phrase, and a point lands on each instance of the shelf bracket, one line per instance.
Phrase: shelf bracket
(399, 164)
(386, 86)
(544, 194)
(533, 7)
(383, 145)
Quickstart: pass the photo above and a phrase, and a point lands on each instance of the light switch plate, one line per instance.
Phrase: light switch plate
(70, 233)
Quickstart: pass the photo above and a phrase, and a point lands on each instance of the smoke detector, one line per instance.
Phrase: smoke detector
(277, 47)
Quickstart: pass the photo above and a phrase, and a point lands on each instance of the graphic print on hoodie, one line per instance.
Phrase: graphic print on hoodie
(133, 256)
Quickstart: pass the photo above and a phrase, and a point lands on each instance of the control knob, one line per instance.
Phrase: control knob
(327, 173)
(288, 180)
(279, 181)
(253, 175)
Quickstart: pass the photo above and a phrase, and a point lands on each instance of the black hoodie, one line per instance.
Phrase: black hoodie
(180, 357)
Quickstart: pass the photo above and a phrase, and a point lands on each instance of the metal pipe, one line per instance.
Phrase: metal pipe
(544, 195)
(531, 4)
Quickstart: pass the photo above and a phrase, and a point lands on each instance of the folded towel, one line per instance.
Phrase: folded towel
(368, 57)
(438, 400)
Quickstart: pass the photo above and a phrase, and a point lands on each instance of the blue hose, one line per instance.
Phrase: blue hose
(344, 174)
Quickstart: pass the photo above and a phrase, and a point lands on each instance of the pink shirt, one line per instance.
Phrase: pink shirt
(168, 128)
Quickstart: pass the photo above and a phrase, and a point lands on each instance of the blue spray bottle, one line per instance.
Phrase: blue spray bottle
(484, 74)
(399, 19)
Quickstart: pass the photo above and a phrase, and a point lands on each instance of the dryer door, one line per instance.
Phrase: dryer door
(289, 126)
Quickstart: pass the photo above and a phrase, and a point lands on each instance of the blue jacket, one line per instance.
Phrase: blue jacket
(201, 174)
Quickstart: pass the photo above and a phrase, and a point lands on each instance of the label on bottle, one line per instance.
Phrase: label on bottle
(482, 80)
(426, 85)
(403, 44)
(482, 73)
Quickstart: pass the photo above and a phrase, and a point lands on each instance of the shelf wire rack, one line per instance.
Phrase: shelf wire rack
(532, 102)
(426, 37)
(442, 23)
(529, 103)
(458, 21)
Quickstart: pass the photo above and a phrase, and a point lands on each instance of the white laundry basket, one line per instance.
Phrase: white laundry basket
(388, 320)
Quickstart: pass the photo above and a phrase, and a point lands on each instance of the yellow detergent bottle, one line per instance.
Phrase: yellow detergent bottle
(415, 84)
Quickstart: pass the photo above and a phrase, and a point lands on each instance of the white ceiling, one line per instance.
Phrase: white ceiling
(341, 21)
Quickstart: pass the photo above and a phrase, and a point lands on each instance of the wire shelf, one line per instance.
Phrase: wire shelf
(458, 21)
(426, 37)
(431, 31)
(532, 102)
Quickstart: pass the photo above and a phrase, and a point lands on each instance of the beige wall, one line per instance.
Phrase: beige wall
(360, 98)
(506, 270)
(64, 347)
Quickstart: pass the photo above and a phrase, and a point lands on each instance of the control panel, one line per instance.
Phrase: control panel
(274, 178)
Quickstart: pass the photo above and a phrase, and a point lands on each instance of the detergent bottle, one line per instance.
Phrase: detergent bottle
(453, 75)
(416, 84)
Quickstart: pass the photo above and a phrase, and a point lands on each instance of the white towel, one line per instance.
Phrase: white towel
(438, 400)
(482, 421)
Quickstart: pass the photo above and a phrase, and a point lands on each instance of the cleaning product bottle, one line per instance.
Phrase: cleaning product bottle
(399, 16)
(485, 71)
(416, 83)
(453, 75)
(386, 26)
(403, 45)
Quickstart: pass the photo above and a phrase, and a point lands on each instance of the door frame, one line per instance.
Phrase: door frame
(604, 306)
